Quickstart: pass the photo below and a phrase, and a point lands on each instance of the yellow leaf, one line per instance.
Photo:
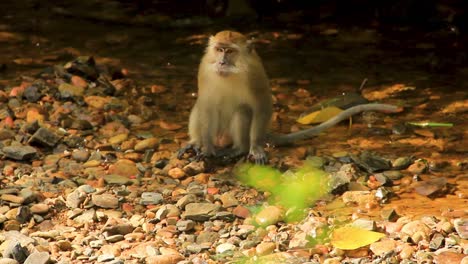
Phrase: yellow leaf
(320, 115)
(349, 237)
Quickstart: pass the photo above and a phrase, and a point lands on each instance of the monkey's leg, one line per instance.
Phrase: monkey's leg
(258, 130)
(239, 132)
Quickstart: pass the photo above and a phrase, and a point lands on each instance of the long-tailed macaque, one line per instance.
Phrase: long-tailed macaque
(234, 100)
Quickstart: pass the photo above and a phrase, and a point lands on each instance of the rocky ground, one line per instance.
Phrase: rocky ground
(89, 175)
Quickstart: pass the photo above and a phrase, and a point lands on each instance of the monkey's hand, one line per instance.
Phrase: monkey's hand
(191, 148)
(258, 155)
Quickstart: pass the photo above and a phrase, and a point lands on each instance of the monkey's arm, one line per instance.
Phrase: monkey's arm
(281, 140)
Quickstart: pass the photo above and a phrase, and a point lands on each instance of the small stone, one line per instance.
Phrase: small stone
(383, 247)
(40, 208)
(393, 175)
(189, 198)
(32, 94)
(365, 224)
(105, 257)
(8, 261)
(228, 199)
(225, 247)
(69, 91)
(176, 173)
(241, 211)
(194, 168)
(371, 162)
(432, 187)
(448, 257)
(117, 139)
(265, 248)
(115, 238)
(416, 226)
(105, 200)
(436, 241)
(200, 211)
(38, 258)
(45, 137)
(406, 251)
(461, 226)
(149, 143)
(6, 133)
(12, 198)
(87, 217)
(185, 225)
(417, 167)
(269, 215)
(401, 163)
(80, 155)
(64, 245)
(164, 259)
(207, 237)
(23, 215)
(14, 250)
(125, 168)
(116, 179)
(98, 102)
(20, 152)
(75, 198)
(151, 198)
(389, 215)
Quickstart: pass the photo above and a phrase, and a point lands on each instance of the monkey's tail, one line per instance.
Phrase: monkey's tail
(281, 140)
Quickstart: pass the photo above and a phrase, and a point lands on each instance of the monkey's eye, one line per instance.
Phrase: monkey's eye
(228, 51)
(219, 49)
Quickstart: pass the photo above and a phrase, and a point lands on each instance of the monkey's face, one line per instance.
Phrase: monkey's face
(225, 58)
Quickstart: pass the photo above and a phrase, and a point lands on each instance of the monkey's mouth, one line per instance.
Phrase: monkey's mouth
(225, 69)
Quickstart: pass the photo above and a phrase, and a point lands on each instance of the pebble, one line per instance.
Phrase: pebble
(69, 91)
(20, 152)
(12, 198)
(417, 167)
(265, 248)
(151, 198)
(383, 247)
(105, 200)
(229, 200)
(124, 167)
(176, 173)
(13, 249)
(185, 225)
(39, 208)
(461, 226)
(45, 137)
(116, 179)
(81, 155)
(200, 211)
(38, 258)
(416, 226)
(149, 143)
(189, 198)
(8, 261)
(269, 215)
(225, 247)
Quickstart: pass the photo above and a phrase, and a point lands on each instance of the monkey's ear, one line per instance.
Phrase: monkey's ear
(250, 44)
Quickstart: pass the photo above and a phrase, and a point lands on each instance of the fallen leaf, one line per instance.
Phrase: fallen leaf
(320, 115)
(169, 126)
(349, 238)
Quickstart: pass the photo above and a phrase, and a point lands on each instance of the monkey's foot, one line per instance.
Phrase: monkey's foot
(229, 154)
(191, 148)
(258, 155)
